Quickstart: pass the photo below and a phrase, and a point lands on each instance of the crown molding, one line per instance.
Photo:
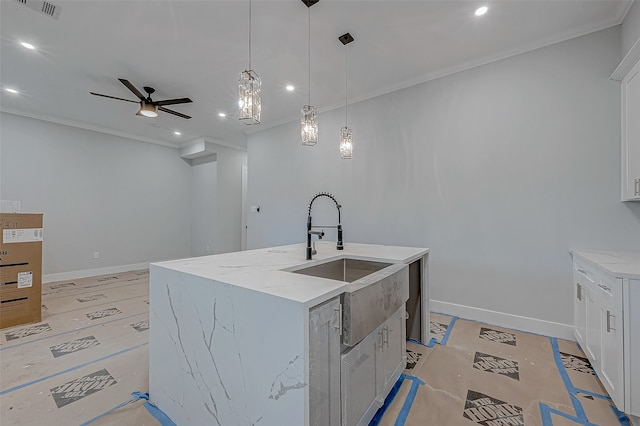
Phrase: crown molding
(462, 67)
(86, 126)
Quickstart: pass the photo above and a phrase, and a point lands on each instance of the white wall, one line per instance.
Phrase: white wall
(500, 170)
(217, 200)
(631, 28)
(126, 199)
(229, 199)
(204, 190)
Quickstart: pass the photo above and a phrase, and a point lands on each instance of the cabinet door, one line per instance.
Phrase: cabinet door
(359, 379)
(579, 313)
(631, 135)
(593, 328)
(392, 351)
(324, 364)
(611, 360)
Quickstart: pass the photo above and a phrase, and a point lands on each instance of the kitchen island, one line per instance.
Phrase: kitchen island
(253, 337)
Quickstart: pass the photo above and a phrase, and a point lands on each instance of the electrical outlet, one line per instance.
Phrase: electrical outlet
(96, 255)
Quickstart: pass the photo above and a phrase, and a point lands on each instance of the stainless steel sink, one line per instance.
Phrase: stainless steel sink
(346, 269)
(376, 291)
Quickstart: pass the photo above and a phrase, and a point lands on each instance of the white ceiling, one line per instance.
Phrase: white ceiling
(197, 48)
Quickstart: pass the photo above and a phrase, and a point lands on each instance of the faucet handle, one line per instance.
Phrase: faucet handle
(313, 249)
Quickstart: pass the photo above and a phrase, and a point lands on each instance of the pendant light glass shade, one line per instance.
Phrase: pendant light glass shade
(346, 143)
(309, 125)
(249, 102)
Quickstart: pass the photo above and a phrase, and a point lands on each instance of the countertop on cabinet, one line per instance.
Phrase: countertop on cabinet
(265, 270)
(620, 264)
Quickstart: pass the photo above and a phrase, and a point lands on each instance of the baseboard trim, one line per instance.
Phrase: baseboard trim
(72, 275)
(516, 322)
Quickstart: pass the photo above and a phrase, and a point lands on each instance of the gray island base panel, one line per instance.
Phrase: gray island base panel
(231, 342)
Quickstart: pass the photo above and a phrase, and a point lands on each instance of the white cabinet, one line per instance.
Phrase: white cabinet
(631, 135)
(611, 362)
(392, 349)
(598, 324)
(371, 368)
(607, 327)
(359, 381)
(579, 311)
(594, 329)
(324, 363)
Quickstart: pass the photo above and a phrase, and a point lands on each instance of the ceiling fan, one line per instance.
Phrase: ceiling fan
(149, 107)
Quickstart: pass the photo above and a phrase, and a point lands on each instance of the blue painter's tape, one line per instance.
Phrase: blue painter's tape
(33, 382)
(432, 342)
(91, 287)
(135, 396)
(70, 331)
(419, 343)
(445, 338)
(577, 406)
(545, 414)
(406, 407)
(622, 417)
(387, 401)
(158, 414)
(546, 411)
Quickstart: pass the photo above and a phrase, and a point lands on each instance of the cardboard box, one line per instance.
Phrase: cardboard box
(20, 269)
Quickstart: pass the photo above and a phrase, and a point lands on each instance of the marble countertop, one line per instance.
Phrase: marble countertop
(617, 263)
(264, 269)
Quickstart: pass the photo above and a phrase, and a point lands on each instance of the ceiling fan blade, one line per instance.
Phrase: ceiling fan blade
(173, 101)
(133, 89)
(173, 112)
(113, 97)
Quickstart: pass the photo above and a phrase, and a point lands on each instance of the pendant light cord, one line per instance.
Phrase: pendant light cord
(346, 79)
(309, 51)
(249, 34)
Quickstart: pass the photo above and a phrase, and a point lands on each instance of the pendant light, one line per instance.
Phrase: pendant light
(309, 120)
(249, 102)
(346, 137)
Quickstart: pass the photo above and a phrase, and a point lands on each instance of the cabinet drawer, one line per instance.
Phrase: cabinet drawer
(609, 289)
(586, 273)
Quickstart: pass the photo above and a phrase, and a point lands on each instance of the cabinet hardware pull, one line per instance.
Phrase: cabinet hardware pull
(583, 271)
(605, 288)
(386, 341)
(609, 328)
(636, 187)
(339, 311)
(579, 291)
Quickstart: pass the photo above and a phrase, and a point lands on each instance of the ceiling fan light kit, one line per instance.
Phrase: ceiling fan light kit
(148, 110)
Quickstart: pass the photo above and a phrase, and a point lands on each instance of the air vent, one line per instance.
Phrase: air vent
(41, 6)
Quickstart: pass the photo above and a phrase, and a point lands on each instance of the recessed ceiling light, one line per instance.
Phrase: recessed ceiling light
(290, 88)
(222, 114)
(14, 91)
(27, 45)
(481, 10)
(177, 133)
